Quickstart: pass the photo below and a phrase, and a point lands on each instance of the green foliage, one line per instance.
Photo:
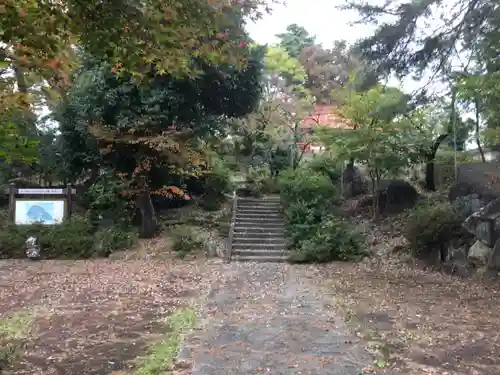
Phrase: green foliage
(75, 238)
(161, 355)
(258, 182)
(314, 233)
(326, 164)
(333, 239)
(16, 147)
(186, 240)
(431, 227)
(215, 184)
(109, 240)
(295, 39)
(14, 330)
(107, 199)
(379, 141)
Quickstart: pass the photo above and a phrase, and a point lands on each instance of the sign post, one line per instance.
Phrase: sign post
(41, 205)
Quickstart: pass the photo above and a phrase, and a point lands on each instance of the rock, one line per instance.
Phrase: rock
(479, 253)
(211, 249)
(458, 253)
(468, 204)
(485, 274)
(460, 268)
(494, 258)
(485, 223)
(395, 196)
(476, 185)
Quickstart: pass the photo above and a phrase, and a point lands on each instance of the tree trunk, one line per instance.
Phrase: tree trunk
(430, 178)
(430, 175)
(350, 167)
(478, 140)
(148, 216)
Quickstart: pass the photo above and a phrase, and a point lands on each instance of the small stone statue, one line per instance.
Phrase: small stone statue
(32, 248)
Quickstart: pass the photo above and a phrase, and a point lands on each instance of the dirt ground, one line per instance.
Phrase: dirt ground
(95, 317)
(418, 321)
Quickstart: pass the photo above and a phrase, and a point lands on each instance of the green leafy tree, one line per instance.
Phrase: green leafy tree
(413, 37)
(294, 39)
(149, 130)
(380, 141)
(272, 130)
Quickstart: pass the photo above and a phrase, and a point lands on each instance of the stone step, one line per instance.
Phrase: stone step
(245, 224)
(252, 237)
(260, 204)
(258, 253)
(270, 240)
(258, 232)
(259, 246)
(259, 210)
(263, 199)
(259, 222)
(260, 258)
(252, 216)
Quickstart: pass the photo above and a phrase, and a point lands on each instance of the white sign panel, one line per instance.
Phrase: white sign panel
(40, 191)
(43, 211)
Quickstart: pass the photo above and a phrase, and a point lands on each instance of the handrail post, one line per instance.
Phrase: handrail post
(231, 228)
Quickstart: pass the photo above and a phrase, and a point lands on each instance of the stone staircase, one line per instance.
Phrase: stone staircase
(258, 231)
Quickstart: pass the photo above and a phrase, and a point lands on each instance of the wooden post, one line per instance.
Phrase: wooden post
(12, 202)
(69, 201)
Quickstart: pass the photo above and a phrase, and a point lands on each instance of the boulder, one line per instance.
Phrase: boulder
(485, 223)
(476, 185)
(494, 258)
(479, 253)
(395, 196)
(458, 268)
(353, 181)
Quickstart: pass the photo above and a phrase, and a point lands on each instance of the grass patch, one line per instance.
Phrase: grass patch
(161, 355)
(14, 330)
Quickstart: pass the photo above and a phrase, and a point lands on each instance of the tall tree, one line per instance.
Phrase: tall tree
(295, 39)
(273, 128)
(380, 141)
(37, 36)
(150, 129)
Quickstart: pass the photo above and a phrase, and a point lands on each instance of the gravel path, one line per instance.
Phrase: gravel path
(271, 318)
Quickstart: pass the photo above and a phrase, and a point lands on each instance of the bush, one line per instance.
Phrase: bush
(105, 199)
(333, 239)
(431, 227)
(314, 233)
(75, 238)
(109, 240)
(259, 182)
(311, 188)
(217, 182)
(326, 164)
(185, 241)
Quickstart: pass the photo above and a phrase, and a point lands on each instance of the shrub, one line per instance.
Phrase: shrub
(109, 240)
(314, 233)
(259, 182)
(217, 182)
(185, 241)
(312, 188)
(106, 199)
(431, 227)
(326, 164)
(332, 239)
(75, 238)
